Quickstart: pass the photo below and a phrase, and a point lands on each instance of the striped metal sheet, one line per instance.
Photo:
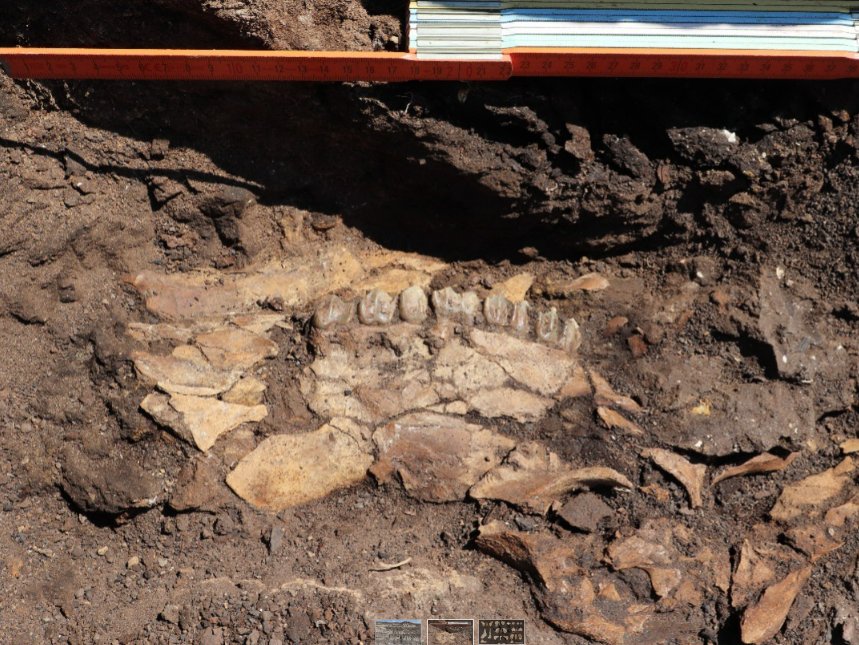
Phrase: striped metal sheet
(485, 29)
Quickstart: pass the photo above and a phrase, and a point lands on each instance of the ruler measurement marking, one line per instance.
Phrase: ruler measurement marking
(352, 66)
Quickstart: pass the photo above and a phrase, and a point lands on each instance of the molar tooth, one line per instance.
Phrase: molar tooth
(332, 311)
(413, 305)
(470, 307)
(571, 339)
(520, 319)
(496, 310)
(376, 308)
(447, 303)
(548, 326)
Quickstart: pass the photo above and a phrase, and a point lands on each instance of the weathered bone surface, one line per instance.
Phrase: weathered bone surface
(390, 389)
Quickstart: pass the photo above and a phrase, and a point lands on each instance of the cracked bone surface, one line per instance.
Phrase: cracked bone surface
(390, 388)
(492, 373)
(410, 387)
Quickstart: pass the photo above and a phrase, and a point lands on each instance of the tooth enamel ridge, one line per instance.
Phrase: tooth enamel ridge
(333, 311)
(447, 303)
(471, 307)
(376, 308)
(496, 310)
(571, 338)
(414, 306)
(548, 326)
(519, 321)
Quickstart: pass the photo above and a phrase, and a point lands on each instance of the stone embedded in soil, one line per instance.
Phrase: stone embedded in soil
(584, 512)
(235, 349)
(765, 618)
(200, 420)
(808, 495)
(110, 485)
(289, 470)
(436, 457)
(198, 487)
(691, 476)
(747, 418)
(707, 147)
(180, 376)
(579, 143)
(782, 323)
(763, 463)
(706, 411)
(532, 477)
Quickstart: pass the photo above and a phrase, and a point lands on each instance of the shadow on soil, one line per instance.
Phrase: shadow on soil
(337, 148)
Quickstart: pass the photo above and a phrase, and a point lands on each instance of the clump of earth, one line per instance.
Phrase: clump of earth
(286, 359)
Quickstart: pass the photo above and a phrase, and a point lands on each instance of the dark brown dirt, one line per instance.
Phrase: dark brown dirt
(638, 180)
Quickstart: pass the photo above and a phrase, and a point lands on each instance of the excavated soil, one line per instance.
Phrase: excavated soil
(723, 217)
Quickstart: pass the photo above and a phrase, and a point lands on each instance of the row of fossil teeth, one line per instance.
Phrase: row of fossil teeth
(412, 305)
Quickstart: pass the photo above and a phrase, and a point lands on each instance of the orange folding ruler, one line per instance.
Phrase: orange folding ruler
(241, 65)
